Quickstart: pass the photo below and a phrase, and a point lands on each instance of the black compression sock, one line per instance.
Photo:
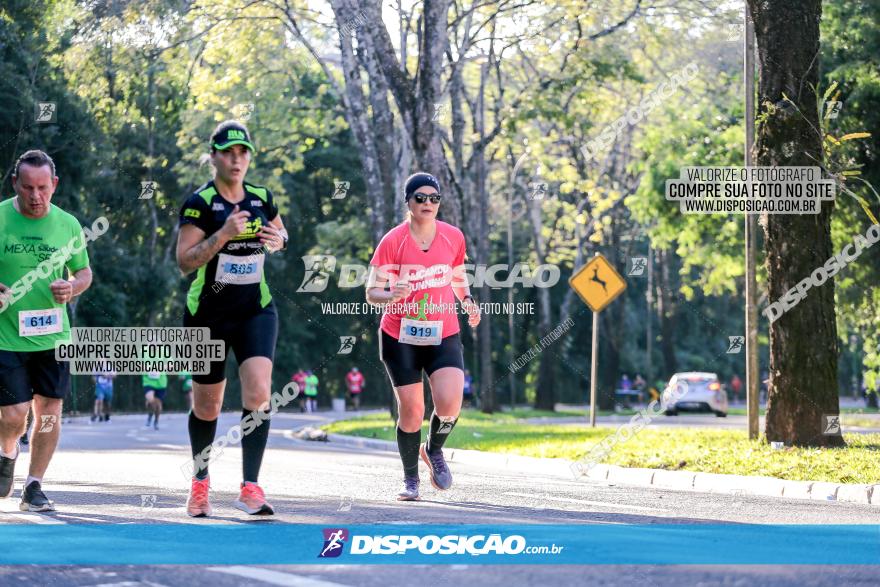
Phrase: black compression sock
(253, 445)
(408, 446)
(439, 431)
(201, 435)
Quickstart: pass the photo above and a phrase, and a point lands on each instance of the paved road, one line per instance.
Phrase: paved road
(103, 471)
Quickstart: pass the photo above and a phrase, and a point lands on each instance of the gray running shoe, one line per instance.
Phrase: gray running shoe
(441, 477)
(411, 489)
(34, 500)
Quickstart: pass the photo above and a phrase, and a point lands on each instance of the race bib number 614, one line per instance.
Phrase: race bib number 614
(39, 322)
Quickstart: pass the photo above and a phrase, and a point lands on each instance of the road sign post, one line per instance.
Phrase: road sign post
(594, 367)
(597, 283)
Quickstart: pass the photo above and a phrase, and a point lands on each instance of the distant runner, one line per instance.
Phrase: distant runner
(300, 379)
(354, 380)
(187, 387)
(103, 396)
(155, 385)
(311, 392)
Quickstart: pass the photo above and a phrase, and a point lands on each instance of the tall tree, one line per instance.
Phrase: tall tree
(803, 342)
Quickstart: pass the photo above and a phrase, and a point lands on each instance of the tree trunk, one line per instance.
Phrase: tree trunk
(382, 197)
(803, 385)
(484, 338)
(416, 99)
(611, 333)
(359, 122)
(545, 394)
(666, 313)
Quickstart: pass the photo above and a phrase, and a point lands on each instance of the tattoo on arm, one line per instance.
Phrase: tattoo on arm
(203, 252)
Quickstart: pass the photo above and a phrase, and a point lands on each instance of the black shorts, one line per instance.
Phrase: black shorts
(26, 374)
(404, 362)
(158, 392)
(251, 336)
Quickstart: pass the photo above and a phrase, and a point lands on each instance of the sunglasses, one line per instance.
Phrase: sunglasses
(421, 198)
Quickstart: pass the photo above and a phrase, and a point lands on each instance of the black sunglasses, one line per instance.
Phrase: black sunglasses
(421, 198)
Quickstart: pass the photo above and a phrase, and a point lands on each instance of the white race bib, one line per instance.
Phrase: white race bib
(39, 322)
(421, 332)
(239, 270)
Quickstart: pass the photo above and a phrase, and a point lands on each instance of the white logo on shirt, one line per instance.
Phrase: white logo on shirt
(218, 207)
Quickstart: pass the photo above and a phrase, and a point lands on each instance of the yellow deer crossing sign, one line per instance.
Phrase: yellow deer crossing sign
(597, 283)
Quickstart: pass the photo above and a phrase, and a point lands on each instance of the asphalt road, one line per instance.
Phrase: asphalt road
(103, 472)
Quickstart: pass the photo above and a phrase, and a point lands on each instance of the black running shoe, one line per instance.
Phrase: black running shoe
(24, 439)
(34, 500)
(7, 473)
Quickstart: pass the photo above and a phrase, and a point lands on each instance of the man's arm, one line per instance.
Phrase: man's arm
(81, 281)
(63, 290)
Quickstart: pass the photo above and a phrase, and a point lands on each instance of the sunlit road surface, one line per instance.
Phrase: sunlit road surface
(122, 473)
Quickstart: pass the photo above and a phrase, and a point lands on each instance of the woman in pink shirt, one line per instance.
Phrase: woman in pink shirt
(419, 329)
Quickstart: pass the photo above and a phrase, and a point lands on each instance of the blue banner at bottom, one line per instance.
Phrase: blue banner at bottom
(655, 544)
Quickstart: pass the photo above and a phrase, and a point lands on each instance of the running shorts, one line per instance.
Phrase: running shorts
(405, 362)
(158, 392)
(26, 374)
(251, 336)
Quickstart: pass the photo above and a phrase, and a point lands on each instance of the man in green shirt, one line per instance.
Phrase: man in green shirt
(40, 243)
(311, 392)
(155, 384)
(187, 386)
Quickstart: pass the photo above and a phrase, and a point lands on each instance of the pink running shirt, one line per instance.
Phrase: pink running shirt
(430, 275)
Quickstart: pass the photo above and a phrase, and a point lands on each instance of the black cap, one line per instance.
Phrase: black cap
(229, 134)
(417, 180)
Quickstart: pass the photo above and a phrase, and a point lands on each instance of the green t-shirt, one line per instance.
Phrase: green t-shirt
(155, 380)
(311, 385)
(24, 244)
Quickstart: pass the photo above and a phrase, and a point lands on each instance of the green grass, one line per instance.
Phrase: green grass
(850, 416)
(530, 413)
(524, 413)
(742, 411)
(692, 449)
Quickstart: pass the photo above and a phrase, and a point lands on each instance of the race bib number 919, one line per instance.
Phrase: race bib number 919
(421, 332)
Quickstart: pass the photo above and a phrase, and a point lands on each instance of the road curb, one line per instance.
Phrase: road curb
(557, 467)
(659, 478)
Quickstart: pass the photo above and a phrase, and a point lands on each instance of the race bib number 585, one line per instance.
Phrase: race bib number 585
(239, 270)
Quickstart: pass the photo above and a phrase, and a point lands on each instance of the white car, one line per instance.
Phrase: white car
(695, 392)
